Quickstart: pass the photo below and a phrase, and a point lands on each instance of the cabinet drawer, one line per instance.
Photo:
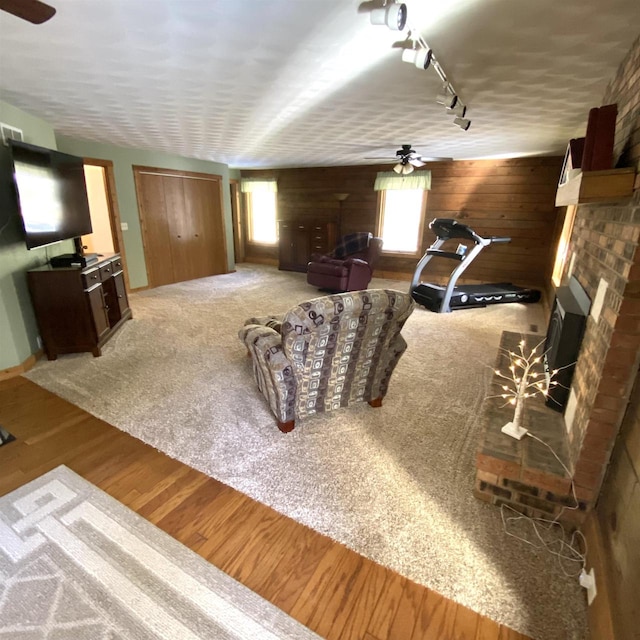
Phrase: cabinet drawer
(89, 278)
(116, 265)
(106, 271)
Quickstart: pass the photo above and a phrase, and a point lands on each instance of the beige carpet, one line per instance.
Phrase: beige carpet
(393, 483)
(75, 564)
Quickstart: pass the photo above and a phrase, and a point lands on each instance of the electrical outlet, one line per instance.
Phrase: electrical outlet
(588, 581)
(124, 226)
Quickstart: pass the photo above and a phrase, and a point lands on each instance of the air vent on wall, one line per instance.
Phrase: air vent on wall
(10, 133)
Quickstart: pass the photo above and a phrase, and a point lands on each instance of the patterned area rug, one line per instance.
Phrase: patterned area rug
(76, 564)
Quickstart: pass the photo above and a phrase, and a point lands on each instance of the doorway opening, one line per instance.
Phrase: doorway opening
(105, 216)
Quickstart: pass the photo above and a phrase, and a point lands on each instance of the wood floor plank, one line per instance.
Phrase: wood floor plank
(387, 606)
(487, 629)
(322, 577)
(339, 598)
(311, 577)
(408, 611)
(297, 556)
(362, 612)
(510, 634)
(466, 624)
(437, 618)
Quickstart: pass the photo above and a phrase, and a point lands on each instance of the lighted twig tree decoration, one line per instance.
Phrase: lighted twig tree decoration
(523, 381)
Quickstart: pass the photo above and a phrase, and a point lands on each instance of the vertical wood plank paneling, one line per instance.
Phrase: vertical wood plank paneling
(514, 198)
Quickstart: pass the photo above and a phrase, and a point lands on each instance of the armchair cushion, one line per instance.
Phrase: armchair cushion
(330, 352)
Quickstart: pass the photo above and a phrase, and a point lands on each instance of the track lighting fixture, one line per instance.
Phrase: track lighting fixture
(421, 58)
(394, 15)
(463, 123)
(416, 51)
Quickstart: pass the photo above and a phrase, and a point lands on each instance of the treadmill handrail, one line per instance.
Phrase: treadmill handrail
(439, 253)
(453, 278)
(499, 239)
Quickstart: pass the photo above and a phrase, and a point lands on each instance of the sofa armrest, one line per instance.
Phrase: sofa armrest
(272, 369)
(356, 261)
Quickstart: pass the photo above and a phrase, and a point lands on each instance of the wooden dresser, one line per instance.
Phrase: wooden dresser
(79, 309)
(298, 239)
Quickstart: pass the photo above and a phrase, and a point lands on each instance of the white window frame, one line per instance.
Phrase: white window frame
(382, 196)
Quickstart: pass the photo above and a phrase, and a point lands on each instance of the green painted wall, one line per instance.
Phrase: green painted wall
(123, 160)
(18, 329)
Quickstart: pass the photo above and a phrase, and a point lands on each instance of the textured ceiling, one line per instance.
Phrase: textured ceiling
(275, 83)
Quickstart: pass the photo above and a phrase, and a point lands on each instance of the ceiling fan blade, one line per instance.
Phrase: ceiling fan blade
(34, 11)
(387, 158)
(416, 162)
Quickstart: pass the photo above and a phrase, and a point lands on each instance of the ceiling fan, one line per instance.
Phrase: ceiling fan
(407, 159)
(32, 10)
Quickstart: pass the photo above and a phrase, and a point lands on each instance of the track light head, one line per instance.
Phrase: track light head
(421, 58)
(394, 15)
(447, 99)
(463, 123)
(459, 109)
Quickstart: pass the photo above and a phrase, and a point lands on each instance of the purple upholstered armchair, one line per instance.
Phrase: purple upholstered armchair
(349, 267)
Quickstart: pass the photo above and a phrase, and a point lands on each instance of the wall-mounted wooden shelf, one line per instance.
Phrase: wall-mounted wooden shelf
(596, 186)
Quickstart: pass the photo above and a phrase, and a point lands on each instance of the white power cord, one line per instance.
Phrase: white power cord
(550, 534)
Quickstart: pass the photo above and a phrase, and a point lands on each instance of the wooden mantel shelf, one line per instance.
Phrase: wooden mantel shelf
(596, 186)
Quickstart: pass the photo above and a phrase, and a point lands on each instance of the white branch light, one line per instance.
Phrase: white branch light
(522, 381)
(421, 55)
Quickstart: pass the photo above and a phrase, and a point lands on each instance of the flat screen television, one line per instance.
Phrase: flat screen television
(52, 194)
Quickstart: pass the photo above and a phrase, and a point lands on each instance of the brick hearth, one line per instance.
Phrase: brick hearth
(524, 474)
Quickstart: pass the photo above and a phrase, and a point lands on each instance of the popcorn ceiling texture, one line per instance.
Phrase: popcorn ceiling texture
(281, 83)
(395, 483)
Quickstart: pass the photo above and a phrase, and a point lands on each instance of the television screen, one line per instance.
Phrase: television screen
(52, 194)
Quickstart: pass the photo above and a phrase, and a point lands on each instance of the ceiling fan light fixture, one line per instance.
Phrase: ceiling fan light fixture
(463, 123)
(394, 15)
(421, 58)
(403, 168)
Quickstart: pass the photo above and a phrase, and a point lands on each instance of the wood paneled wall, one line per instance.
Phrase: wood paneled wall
(495, 197)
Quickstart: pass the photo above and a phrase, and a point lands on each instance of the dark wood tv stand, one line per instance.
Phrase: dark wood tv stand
(79, 309)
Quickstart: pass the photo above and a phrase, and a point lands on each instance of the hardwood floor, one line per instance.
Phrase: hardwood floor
(331, 589)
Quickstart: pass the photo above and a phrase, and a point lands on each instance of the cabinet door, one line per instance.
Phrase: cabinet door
(98, 308)
(285, 244)
(120, 293)
(302, 245)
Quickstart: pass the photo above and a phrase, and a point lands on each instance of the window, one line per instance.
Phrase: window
(402, 204)
(400, 225)
(261, 201)
(563, 245)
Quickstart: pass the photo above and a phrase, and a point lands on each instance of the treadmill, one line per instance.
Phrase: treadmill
(446, 299)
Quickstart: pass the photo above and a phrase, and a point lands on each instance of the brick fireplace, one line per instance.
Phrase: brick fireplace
(603, 247)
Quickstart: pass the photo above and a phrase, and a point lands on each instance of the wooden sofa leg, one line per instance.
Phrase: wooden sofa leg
(376, 402)
(285, 427)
